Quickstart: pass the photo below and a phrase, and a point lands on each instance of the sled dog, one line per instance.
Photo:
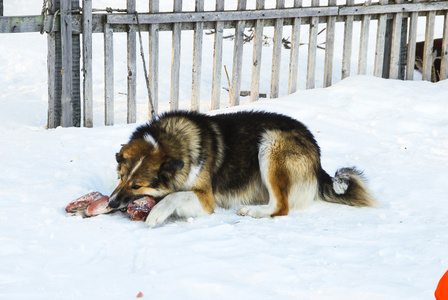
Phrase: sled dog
(264, 163)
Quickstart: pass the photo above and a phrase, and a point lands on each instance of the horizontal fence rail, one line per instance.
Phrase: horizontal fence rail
(397, 51)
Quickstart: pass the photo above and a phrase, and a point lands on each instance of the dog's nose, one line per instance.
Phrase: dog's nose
(113, 204)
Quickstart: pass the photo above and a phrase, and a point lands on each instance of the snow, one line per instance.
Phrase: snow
(396, 131)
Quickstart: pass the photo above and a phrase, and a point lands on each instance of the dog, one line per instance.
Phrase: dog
(264, 163)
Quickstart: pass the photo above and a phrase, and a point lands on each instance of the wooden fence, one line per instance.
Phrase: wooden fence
(66, 24)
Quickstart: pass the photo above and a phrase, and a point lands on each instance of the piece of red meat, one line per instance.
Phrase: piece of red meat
(97, 207)
(80, 204)
(140, 208)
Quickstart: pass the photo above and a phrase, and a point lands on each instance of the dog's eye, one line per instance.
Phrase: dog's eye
(136, 186)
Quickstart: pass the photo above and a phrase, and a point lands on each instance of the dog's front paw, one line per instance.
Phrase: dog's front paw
(159, 214)
(255, 211)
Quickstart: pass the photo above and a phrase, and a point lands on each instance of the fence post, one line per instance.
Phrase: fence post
(63, 69)
(87, 62)
(256, 61)
(234, 90)
(277, 52)
(132, 66)
(76, 70)
(217, 60)
(175, 58)
(154, 58)
(197, 60)
(54, 74)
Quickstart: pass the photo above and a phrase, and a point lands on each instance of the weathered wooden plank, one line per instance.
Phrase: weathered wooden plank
(175, 59)
(410, 61)
(400, 7)
(215, 16)
(329, 48)
(20, 24)
(197, 60)
(444, 62)
(132, 67)
(87, 62)
(403, 49)
(108, 75)
(312, 49)
(217, 59)
(54, 118)
(277, 53)
(396, 44)
(154, 59)
(348, 36)
(428, 58)
(237, 59)
(256, 57)
(54, 65)
(364, 42)
(380, 42)
(294, 57)
(67, 64)
(76, 72)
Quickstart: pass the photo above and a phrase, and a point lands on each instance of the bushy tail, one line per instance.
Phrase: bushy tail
(348, 186)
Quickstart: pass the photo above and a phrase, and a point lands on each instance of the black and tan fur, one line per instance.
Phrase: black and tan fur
(264, 163)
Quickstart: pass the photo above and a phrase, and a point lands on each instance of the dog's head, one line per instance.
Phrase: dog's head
(144, 169)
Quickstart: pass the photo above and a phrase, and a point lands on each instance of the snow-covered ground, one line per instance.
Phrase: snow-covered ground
(396, 131)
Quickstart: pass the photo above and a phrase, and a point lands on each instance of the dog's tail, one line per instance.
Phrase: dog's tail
(348, 186)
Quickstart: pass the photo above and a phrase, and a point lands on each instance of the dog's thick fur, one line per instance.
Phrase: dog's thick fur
(265, 163)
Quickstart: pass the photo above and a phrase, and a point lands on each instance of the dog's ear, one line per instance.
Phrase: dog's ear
(119, 157)
(173, 165)
(168, 168)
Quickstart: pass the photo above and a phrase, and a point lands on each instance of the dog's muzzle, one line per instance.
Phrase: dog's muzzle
(113, 204)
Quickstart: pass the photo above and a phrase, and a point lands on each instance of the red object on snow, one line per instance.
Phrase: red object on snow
(100, 206)
(140, 295)
(92, 204)
(140, 208)
(442, 288)
(80, 204)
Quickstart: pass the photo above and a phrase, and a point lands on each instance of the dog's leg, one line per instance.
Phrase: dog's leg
(275, 175)
(183, 204)
(278, 187)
